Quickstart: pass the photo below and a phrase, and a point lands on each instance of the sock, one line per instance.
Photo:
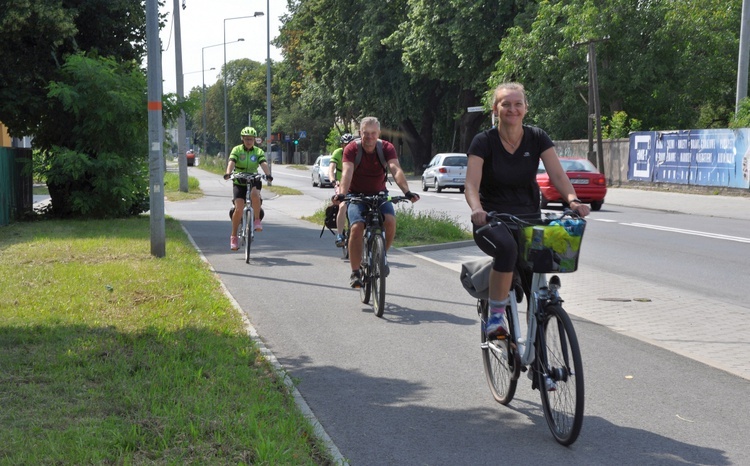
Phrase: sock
(498, 307)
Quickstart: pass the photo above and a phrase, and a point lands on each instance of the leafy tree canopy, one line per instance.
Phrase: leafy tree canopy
(38, 35)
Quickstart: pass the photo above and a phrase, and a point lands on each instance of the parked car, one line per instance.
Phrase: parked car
(589, 184)
(190, 156)
(445, 171)
(320, 172)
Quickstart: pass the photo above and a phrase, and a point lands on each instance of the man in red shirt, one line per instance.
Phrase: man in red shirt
(368, 178)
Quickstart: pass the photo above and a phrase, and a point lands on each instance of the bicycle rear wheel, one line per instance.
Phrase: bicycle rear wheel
(366, 268)
(378, 275)
(558, 360)
(248, 234)
(501, 360)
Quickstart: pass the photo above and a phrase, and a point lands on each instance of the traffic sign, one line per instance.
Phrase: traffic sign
(287, 138)
(302, 134)
(475, 109)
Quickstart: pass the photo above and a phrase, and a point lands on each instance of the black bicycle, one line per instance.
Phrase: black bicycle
(374, 262)
(550, 350)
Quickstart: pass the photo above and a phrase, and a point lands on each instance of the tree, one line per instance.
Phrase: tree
(97, 164)
(662, 60)
(38, 35)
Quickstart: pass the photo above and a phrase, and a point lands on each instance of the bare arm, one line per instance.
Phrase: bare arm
(346, 177)
(560, 180)
(332, 172)
(400, 178)
(230, 169)
(471, 189)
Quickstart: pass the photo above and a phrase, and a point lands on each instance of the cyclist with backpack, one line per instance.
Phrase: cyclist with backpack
(366, 164)
(246, 157)
(335, 168)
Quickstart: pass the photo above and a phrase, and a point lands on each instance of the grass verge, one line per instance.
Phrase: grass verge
(172, 188)
(109, 355)
(416, 228)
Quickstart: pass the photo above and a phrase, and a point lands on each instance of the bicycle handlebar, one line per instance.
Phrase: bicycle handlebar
(496, 218)
(246, 177)
(380, 197)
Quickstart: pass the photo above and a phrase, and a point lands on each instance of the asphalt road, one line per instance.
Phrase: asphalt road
(409, 388)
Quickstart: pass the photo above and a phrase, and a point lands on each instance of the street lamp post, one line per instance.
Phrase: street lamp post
(226, 108)
(268, 86)
(203, 89)
(203, 101)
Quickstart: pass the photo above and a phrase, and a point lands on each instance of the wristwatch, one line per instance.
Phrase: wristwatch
(575, 200)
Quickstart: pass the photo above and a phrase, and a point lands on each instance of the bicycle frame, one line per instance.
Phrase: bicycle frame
(541, 291)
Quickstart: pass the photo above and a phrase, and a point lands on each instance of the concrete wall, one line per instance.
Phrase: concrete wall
(615, 156)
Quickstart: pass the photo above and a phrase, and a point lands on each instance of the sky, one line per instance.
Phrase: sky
(202, 25)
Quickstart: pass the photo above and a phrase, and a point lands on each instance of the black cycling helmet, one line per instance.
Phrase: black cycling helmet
(346, 138)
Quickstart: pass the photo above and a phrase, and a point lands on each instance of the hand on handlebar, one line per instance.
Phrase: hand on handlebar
(227, 176)
(268, 178)
(412, 197)
(479, 217)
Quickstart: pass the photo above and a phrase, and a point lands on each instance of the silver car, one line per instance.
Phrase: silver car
(320, 171)
(445, 171)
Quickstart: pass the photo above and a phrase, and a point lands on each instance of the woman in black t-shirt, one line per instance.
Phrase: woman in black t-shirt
(501, 177)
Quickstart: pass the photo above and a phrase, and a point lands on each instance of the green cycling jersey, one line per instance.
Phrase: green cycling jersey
(336, 157)
(247, 161)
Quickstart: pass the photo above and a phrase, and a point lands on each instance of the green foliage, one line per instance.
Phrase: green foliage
(38, 35)
(619, 126)
(659, 61)
(99, 167)
(714, 116)
(417, 228)
(742, 118)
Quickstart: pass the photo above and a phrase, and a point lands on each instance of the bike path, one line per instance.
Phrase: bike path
(409, 388)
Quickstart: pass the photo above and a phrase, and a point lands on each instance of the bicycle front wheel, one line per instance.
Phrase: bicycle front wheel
(559, 372)
(501, 360)
(378, 275)
(248, 234)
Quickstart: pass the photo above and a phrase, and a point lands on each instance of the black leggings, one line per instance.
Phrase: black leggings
(500, 244)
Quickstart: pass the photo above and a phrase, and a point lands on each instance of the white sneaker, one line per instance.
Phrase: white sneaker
(497, 326)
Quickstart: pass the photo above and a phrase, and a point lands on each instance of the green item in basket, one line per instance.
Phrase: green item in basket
(564, 239)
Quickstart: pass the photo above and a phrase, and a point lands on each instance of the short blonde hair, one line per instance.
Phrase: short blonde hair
(367, 121)
(508, 86)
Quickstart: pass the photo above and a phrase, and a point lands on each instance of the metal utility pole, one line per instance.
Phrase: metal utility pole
(268, 87)
(595, 112)
(155, 155)
(181, 158)
(742, 61)
(597, 109)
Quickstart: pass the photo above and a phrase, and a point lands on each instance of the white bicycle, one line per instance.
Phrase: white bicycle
(549, 350)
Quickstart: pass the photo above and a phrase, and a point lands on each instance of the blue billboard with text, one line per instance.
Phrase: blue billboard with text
(707, 157)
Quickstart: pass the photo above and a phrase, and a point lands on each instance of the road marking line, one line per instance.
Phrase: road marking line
(738, 239)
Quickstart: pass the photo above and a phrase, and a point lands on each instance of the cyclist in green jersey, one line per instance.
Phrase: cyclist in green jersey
(335, 168)
(246, 158)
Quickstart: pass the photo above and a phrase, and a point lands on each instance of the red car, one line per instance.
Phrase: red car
(590, 185)
(190, 156)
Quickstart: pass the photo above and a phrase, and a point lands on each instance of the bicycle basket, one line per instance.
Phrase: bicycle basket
(559, 247)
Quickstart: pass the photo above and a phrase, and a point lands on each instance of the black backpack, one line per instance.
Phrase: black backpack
(330, 218)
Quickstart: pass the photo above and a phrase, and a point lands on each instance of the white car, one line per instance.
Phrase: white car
(446, 170)
(320, 171)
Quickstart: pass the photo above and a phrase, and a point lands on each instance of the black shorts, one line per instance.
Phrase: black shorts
(240, 190)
